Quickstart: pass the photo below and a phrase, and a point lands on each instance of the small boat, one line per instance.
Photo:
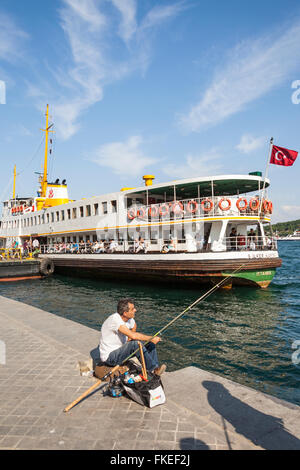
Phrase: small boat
(189, 231)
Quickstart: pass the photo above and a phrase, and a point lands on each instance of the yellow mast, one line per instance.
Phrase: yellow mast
(14, 188)
(44, 179)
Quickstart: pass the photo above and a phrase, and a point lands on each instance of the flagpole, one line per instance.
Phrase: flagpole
(266, 174)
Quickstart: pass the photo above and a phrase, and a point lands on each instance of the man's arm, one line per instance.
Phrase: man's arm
(133, 335)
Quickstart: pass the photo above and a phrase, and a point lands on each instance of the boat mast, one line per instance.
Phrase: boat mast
(44, 179)
(14, 187)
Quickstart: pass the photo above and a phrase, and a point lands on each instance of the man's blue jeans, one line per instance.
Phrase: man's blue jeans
(117, 356)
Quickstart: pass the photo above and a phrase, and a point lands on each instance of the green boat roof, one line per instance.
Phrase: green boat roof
(222, 186)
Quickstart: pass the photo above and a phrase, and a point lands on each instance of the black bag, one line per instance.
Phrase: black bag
(148, 393)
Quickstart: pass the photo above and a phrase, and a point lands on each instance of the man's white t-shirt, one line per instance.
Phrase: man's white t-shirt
(110, 337)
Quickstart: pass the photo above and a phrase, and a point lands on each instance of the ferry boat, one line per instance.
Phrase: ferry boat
(188, 231)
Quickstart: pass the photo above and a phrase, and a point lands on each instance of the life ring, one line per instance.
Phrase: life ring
(268, 206)
(46, 267)
(156, 211)
(177, 207)
(130, 214)
(204, 207)
(189, 207)
(143, 215)
(256, 204)
(243, 208)
(228, 204)
(164, 212)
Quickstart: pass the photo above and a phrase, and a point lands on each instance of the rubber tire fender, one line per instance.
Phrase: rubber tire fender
(46, 267)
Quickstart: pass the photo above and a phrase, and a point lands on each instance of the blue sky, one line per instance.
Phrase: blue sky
(171, 88)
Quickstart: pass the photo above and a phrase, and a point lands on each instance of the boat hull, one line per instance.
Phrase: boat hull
(188, 272)
(20, 270)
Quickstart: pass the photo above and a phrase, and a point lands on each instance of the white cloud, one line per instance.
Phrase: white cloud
(205, 164)
(11, 38)
(249, 144)
(252, 69)
(128, 24)
(124, 158)
(91, 28)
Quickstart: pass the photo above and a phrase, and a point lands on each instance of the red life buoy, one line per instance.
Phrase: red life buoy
(21, 208)
(243, 208)
(228, 204)
(268, 206)
(143, 211)
(204, 206)
(164, 212)
(192, 207)
(153, 211)
(254, 201)
(177, 207)
(131, 214)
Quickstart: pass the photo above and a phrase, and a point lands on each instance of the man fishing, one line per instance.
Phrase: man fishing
(119, 339)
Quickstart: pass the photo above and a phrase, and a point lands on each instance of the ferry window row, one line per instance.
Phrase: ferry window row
(62, 215)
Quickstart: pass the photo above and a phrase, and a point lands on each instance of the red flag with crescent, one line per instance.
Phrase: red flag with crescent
(282, 156)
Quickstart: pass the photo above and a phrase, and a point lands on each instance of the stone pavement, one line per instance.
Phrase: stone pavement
(39, 352)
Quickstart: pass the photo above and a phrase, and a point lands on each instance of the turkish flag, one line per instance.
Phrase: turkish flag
(281, 156)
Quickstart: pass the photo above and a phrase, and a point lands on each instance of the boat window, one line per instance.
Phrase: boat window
(48, 218)
(81, 211)
(62, 215)
(74, 212)
(52, 216)
(69, 213)
(114, 206)
(104, 207)
(88, 210)
(96, 209)
(57, 216)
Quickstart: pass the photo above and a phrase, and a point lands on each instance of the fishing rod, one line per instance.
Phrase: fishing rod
(114, 369)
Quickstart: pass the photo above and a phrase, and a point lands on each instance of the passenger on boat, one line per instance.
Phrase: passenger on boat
(172, 246)
(81, 246)
(75, 248)
(119, 339)
(141, 246)
(113, 246)
(88, 246)
(233, 239)
(252, 239)
(241, 242)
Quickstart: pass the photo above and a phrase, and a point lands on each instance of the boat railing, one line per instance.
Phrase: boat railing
(188, 245)
(7, 254)
(217, 206)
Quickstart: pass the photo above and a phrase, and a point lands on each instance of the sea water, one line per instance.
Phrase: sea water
(248, 335)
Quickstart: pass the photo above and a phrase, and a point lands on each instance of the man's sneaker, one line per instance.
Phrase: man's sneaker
(160, 370)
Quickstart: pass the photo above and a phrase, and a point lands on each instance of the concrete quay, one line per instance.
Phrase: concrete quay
(39, 377)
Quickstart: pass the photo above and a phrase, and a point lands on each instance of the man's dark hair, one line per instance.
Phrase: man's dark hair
(123, 305)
